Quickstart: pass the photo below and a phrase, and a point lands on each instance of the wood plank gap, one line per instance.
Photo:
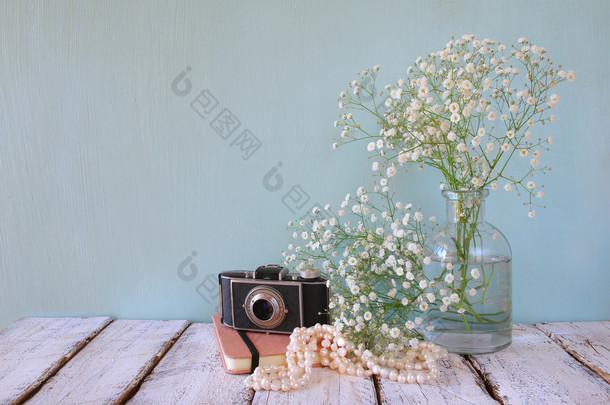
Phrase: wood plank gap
(377, 391)
(152, 366)
(192, 373)
(557, 338)
(80, 347)
(327, 386)
(534, 367)
(130, 392)
(252, 392)
(115, 361)
(39, 348)
(457, 383)
(482, 379)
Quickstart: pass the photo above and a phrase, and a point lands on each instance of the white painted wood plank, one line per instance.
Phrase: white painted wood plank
(111, 366)
(588, 342)
(192, 373)
(326, 387)
(32, 349)
(535, 370)
(457, 383)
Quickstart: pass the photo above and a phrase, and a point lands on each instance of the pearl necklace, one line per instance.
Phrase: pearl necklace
(406, 365)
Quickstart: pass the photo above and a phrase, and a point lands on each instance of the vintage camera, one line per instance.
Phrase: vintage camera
(271, 299)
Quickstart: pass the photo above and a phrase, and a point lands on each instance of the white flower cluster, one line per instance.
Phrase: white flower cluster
(371, 250)
(466, 110)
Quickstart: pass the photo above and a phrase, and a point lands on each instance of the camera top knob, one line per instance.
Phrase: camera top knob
(309, 272)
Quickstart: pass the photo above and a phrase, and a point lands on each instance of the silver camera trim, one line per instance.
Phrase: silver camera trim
(267, 282)
(270, 295)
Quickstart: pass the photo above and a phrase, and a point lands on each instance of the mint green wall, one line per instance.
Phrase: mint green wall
(109, 180)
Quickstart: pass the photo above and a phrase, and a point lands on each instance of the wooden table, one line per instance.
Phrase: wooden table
(101, 361)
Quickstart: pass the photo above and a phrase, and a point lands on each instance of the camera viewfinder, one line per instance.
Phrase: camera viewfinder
(270, 272)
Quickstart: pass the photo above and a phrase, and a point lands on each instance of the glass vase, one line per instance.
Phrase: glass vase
(472, 260)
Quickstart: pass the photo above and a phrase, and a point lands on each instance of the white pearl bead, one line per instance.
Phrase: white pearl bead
(335, 353)
(275, 385)
(410, 377)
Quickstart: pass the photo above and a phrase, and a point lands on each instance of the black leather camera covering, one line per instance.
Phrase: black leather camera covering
(315, 301)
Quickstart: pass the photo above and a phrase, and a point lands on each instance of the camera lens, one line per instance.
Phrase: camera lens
(265, 307)
(262, 309)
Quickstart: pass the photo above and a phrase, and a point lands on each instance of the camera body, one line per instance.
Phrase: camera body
(270, 299)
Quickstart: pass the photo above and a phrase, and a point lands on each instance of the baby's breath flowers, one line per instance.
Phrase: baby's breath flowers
(371, 250)
(466, 110)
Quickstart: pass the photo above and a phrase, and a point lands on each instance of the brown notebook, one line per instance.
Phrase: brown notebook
(235, 354)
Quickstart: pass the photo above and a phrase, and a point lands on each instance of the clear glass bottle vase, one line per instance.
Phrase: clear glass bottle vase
(472, 259)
